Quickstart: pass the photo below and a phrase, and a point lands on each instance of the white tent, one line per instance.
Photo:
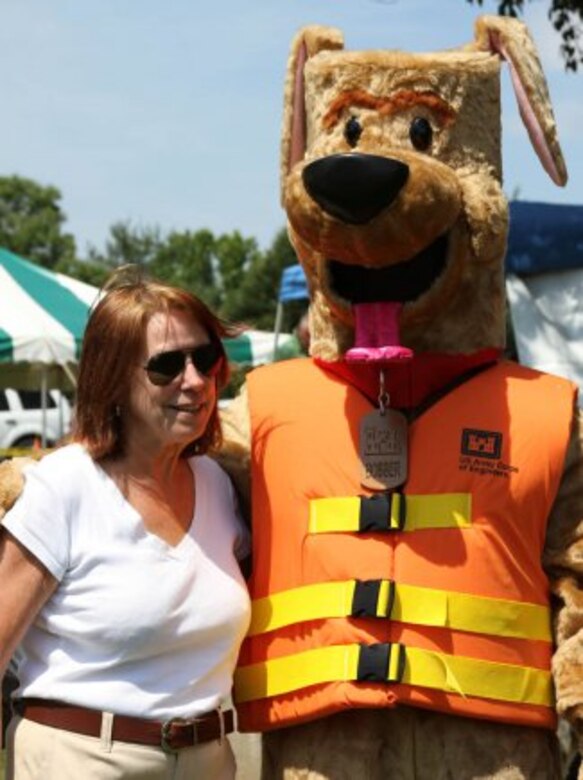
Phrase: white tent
(544, 284)
(42, 320)
(253, 347)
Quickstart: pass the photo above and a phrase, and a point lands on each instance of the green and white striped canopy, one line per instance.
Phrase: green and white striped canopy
(253, 347)
(42, 319)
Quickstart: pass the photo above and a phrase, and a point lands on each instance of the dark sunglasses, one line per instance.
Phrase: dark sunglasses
(164, 367)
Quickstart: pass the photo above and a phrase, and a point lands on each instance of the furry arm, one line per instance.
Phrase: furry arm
(11, 482)
(563, 562)
(235, 453)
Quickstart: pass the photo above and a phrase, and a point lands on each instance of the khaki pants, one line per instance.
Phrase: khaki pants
(37, 752)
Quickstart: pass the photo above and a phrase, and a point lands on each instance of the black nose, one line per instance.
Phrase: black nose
(354, 188)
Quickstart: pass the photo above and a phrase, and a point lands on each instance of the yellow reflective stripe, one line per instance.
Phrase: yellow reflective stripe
(412, 604)
(312, 602)
(383, 603)
(474, 677)
(443, 510)
(333, 514)
(423, 668)
(293, 672)
(466, 612)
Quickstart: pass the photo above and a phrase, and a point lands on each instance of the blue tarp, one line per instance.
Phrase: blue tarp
(293, 285)
(544, 237)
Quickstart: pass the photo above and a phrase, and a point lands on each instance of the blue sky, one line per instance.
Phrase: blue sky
(168, 112)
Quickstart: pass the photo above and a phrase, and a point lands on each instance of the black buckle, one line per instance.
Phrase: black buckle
(375, 513)
(366, 598)
(382, 662)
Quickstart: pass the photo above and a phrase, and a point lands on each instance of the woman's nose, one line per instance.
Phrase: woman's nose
(191, 375)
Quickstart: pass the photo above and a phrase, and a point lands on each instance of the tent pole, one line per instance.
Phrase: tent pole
(44, 404)
(277, 327)
(69, 374)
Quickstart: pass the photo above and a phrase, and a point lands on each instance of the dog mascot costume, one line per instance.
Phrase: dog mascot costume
(407, 484)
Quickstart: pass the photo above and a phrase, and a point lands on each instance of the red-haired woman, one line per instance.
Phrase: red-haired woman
(119, 562)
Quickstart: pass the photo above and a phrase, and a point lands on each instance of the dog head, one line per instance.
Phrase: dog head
(391, 180)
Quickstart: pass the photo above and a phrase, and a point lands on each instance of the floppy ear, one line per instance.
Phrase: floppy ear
(308, 42)
(511, 39)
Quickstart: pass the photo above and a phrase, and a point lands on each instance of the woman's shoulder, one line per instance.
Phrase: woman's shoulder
(219, 494)
(63, 464)
(212, 479)
(209, 468)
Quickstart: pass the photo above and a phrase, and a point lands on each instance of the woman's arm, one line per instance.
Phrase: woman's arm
(25, 585)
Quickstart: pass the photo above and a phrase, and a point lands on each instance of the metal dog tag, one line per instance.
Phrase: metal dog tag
(383, 449)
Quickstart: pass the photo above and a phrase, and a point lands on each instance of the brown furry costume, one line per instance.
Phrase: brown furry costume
(11, 482)
(454, 189)
(339, 103)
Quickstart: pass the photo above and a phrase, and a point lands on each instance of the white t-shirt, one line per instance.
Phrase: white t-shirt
(136, 626)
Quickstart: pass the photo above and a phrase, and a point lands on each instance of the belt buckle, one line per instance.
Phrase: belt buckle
(166, 736)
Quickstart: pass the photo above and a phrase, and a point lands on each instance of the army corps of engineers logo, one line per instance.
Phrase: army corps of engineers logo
(481, 453)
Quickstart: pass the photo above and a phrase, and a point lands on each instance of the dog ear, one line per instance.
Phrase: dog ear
(308, 42)
(511, 40)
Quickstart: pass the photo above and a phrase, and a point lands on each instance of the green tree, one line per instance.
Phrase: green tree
(127, 244)
(187, 259)
(87, 271)
(566, 16)
(229, 272)
(214, 268)
(235, 257)
(31, 222)
(260, 285)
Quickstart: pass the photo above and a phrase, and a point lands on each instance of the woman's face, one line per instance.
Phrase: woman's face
(158, 416)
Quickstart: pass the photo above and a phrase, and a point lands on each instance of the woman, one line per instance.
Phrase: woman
(118, 563)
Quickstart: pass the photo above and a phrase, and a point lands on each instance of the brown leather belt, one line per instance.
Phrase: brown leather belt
(171, 735)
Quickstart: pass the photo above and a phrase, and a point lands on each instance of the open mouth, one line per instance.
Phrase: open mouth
(400, 283)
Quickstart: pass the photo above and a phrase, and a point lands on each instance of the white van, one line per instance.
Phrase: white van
(21, 418)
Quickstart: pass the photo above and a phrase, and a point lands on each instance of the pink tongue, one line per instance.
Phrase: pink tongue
(377, 333)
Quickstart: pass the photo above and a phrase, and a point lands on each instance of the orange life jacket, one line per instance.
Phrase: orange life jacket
(433, 597)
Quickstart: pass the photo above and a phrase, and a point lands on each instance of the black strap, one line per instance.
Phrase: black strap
(375, 513)
(416, 412)
(366, 598)
(374, 662)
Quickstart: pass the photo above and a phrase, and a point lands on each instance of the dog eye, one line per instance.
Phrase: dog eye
(352, 131)
(420, 133)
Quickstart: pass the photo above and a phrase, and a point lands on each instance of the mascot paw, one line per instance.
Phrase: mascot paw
(11, 482)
